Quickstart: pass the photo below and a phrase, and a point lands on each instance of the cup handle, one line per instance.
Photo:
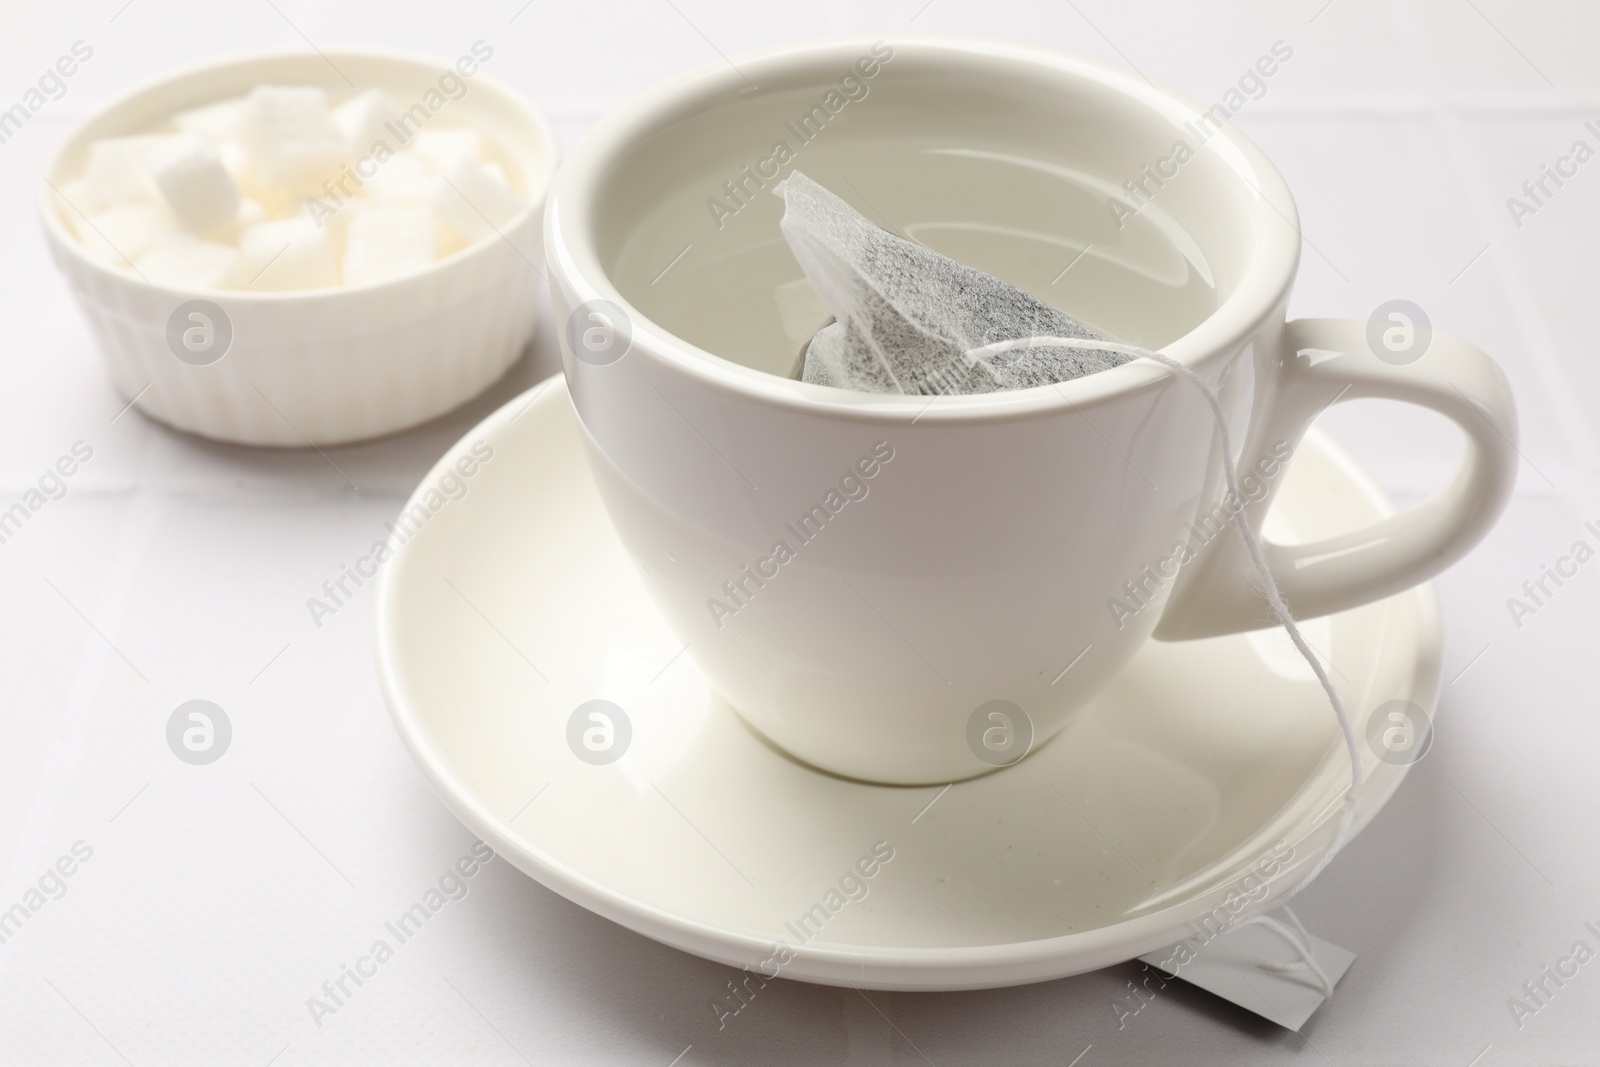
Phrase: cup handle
(1327, 361)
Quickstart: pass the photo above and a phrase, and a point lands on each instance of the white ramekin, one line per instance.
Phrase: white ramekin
(327, 366)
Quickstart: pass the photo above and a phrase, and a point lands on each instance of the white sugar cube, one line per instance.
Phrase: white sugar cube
(472, 203)
(185, 262)
(288, 254)
(440, 149)
(292, 139)
(198, 189)
(251, 212)
(383, 243)
(121, 234)
(214, 121)
(403, 181)
(362, 119)
(283, 177)
(236, 161)
(336, 222)
(115, 174)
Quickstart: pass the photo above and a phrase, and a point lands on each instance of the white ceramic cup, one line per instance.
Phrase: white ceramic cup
(303, 368)
(917, 589)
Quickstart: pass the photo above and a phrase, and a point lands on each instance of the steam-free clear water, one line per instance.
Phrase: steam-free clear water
(731, 286)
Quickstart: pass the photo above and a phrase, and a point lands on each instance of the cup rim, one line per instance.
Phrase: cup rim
(540, 131)
(572, 257)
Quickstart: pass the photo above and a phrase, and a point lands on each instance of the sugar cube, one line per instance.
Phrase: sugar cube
(182, 261)
(250, 213)
(198, 189)
(287, 254)
(471, 202)
(116, 174)
(383, 243)
(403, 181)
(336, 221)
(439, 149)
(236, 161)
(122, 234)
(291, 137)
(294, 185)
(362, 119)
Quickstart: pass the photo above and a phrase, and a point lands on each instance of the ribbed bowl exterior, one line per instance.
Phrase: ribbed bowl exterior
(327, 368)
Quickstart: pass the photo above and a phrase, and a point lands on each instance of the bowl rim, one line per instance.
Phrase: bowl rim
(539, 128)
(571, 254)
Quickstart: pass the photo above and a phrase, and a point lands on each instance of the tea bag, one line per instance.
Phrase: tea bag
(907, 319)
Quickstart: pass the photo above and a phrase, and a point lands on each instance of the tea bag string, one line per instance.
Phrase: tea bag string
(1294, 934)
(1269, 590)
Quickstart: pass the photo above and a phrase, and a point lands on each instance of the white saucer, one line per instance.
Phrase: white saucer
(514, 604)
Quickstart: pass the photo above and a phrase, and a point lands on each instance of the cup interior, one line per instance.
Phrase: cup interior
(1119, 203)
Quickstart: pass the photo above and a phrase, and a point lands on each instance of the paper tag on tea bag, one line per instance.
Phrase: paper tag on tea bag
(1240, 965)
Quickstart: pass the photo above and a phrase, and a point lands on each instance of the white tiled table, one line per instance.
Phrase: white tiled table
(217, 899)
